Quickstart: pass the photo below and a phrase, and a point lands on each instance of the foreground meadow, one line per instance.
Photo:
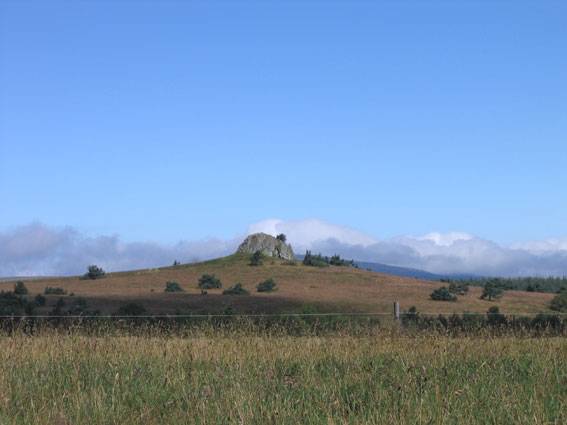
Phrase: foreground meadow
(223, 378)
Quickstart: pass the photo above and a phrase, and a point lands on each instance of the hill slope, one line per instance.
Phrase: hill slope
(300, 288)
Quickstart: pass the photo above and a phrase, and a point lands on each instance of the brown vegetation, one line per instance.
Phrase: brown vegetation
(330, 289)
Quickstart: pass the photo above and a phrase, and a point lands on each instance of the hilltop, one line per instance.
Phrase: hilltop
(300, 288)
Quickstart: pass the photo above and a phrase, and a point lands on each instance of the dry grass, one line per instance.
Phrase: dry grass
(208, 379)
(333, 289)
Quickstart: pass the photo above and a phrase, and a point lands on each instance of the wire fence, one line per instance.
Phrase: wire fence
(278, 315)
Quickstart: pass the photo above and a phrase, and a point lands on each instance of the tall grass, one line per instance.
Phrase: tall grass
(216, 378)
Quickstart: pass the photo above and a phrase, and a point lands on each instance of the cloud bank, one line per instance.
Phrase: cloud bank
(38, 249)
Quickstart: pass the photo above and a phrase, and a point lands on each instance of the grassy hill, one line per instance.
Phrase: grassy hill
(300, 289)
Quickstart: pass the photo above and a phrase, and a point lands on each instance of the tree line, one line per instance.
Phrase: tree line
(529, 284)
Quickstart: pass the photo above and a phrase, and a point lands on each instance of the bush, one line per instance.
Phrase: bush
(495, 317)
(58, 308)
(256, 259)
(40, 300)
(443, 294)
(281, 237)
(559, 302)
(173, 287)
(94, 272)
(20, 288)
(236, 289)
(209, 281)
(12, 304)
(491, 290)
(54, 291)
(410, 316)
(458, 288)
(131, 309)
(268, 285)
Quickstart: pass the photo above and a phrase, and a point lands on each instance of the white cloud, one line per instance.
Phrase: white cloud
(38, 249)
(445, 253)
(545, 246)
(303, 234)
(446, 239)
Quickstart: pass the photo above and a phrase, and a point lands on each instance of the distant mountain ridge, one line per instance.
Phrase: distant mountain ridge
(406, 271)
(409, 272)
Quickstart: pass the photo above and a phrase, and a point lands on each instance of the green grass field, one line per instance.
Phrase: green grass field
(218, 378)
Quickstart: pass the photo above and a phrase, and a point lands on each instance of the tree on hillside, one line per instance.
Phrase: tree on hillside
(172, 286)
(268, 285)
(20, 288)
(458, 288)
(315, 260)
(492, 290)
(281, 237)
(559, 303)
(236, 289)
(209, 281)
(94, 272)
(443, 294)
(256, 258)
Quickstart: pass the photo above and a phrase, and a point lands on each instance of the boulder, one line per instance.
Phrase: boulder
(267, 245)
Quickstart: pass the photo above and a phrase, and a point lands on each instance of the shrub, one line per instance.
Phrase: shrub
(268, 285)
(131, 309)
(443, 294)
(173, 287)
(40, 300)
(54, 291)
(458, 288)
(80, 308)
(495, 317)
(256, 259)
(491, 290)
(20, 288)
(281, 237)
(94, 272)
(236, 289)
(559, 302)
(58, 308)
(410, 316)
(11, 304)
(209, 281)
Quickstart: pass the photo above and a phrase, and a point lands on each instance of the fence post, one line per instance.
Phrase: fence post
(396, 310)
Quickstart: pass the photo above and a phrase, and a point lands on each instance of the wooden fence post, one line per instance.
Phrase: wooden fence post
(396, 310)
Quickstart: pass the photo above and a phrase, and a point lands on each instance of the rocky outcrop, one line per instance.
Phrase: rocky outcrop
(267, 245)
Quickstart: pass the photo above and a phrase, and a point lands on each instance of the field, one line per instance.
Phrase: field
(233, 370)
(241, 378)
(300, 289)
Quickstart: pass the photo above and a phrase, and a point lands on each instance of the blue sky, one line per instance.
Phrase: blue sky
(165, 121)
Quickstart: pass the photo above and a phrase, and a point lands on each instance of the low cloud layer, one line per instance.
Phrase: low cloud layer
(38, 249)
